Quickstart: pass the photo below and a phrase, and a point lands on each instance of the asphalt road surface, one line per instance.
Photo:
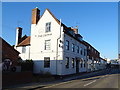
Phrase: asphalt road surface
(106, 79)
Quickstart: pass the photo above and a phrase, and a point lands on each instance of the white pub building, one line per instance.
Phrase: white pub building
(53, 47)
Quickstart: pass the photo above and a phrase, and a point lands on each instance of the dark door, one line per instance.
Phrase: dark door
(77, 66)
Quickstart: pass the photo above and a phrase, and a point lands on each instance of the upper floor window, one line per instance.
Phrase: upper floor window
(92, 49)
(77, 49)
(23, 49)
(47, 44)
(67, 62)
(73, 47)
(67, 45)
(89, 47)
(84, 51)
(48, 27)
(81, 51)
(46, 62)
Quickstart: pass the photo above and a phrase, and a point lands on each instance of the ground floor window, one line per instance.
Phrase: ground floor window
(84, 64)
(81, 64)
(73, 61)
(67, 62)
(46, 62)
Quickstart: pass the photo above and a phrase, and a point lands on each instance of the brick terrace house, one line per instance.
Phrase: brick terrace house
(9, 60)
(93, 57)
(9, 55)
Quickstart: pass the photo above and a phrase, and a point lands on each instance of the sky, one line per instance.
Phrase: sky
(97, 21)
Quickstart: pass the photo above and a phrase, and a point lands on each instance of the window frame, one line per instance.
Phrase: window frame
(77, 49)
(46, 62)
(81, 52)
(81, 64)
(67, 46)
(23, 49)
(73, 62)
(84, 64)
(67, 62)
(48, 27)
(45, 45)
(84, 52)
(73, 47)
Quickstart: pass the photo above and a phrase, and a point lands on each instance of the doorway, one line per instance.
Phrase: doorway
(77, 66)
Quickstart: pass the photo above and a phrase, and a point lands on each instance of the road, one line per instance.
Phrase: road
(108, 78)
(105, 79)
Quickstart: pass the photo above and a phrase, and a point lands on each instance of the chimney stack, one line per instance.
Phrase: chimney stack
(35, 15)
(18, 35)
(75, 30)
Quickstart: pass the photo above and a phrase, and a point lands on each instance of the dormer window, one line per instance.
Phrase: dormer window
(48, 27)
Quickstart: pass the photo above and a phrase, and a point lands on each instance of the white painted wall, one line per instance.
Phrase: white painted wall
(90, 66)
(70, 54)
(25, 55)
(38, 37)
(102, 64)
(57, 54)
(37, 52)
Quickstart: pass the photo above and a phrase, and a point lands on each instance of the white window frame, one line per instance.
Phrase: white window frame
(67, 45)
(73, 47)
(23, 49)
(48, 27)
(47, 44)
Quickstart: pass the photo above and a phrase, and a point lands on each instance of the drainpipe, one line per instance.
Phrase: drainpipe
(57, 47)
(29, 53)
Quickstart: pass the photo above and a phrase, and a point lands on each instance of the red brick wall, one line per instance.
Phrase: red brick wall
(14, 78)
(93, 54)
(8, 52)
(91, 51)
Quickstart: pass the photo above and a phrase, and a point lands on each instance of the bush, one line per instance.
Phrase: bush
(47, 74)
(26, 65)
(44, 74)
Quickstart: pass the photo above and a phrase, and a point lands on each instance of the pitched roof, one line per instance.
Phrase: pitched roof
(25, 42)
(103, 59)
(4, 43)
(87, 44)
(54, 17)
(24, 37)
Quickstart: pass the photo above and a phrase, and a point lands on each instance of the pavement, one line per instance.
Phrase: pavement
(107, 78)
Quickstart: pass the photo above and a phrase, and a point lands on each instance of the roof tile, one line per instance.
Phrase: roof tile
(25, 42)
